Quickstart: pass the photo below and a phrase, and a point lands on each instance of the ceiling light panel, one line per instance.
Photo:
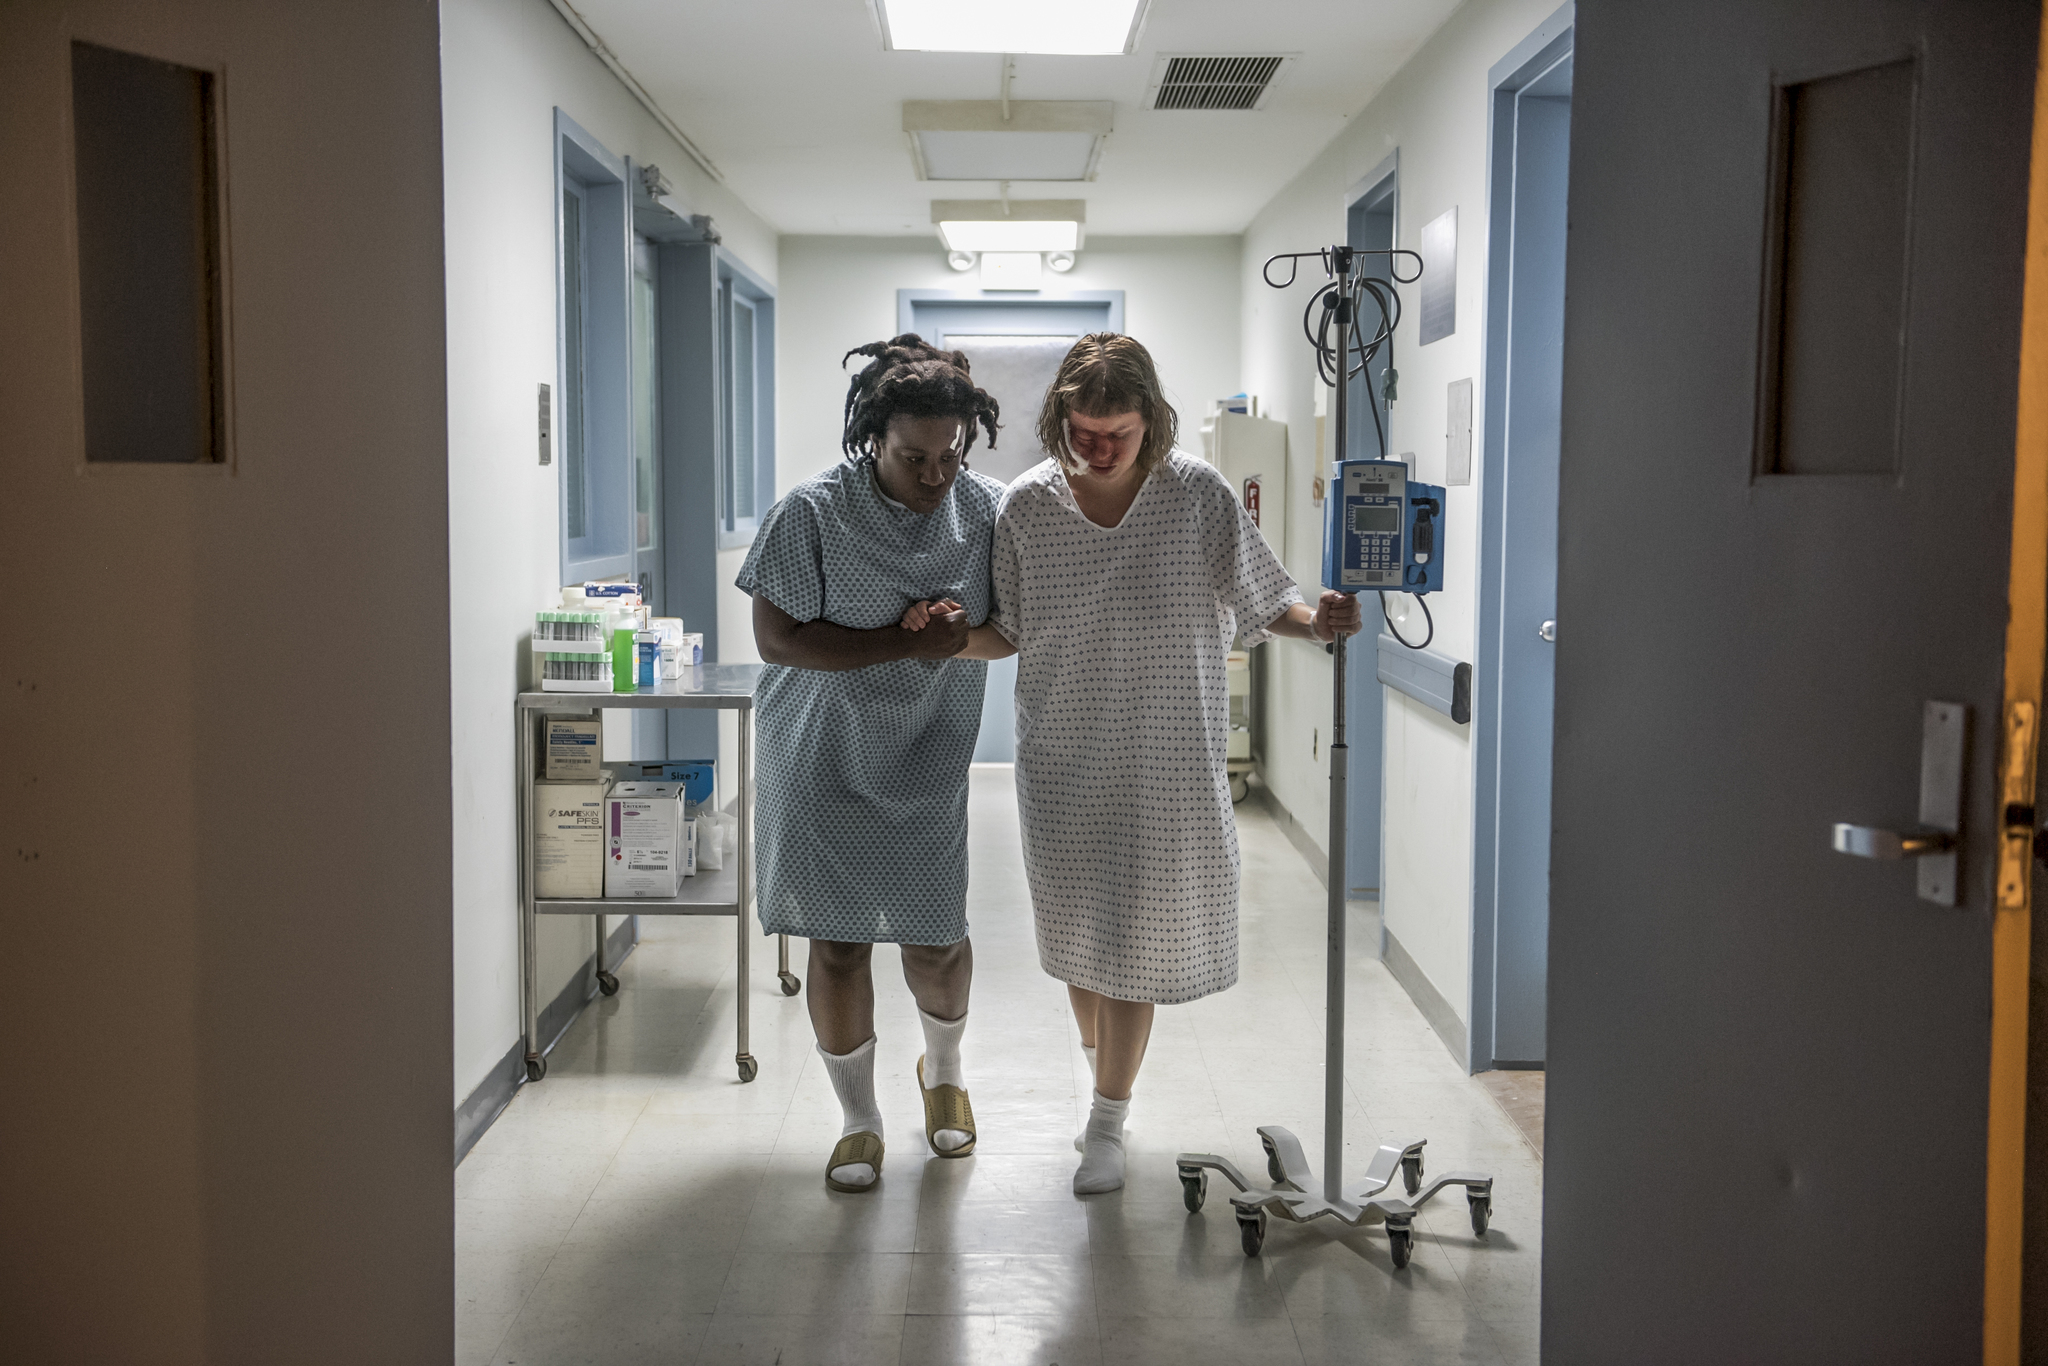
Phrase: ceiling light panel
(1018, 225)
(1060, 27)
(1006, 156)
(1025, 140)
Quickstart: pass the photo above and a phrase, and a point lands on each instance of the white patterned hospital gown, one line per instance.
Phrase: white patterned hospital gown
(1123, 717)
(860, 800)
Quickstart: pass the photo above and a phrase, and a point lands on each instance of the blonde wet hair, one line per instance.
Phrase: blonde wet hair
(1104, 374)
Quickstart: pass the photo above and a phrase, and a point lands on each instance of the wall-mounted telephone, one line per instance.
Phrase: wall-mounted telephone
(1383, 531)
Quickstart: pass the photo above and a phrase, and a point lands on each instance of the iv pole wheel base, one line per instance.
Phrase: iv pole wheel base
(1482, 1210)
(1251, 1231)
(608, 983)
(1411, 1172)
(749, 1069)
(1273, 1162)
(1400, 1242)
(536, 1068)
(1194, 1188)
(790, 985)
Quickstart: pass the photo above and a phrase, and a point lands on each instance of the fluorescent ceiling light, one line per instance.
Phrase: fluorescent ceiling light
(1062, 27)
(1020, 140)
(1015, 225)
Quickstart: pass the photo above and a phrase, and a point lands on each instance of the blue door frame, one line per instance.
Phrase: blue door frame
(1514, 674)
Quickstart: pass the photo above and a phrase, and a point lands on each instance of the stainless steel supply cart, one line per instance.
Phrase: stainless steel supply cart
(724, 891)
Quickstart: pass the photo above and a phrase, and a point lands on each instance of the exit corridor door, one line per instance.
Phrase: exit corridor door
(1792, 330)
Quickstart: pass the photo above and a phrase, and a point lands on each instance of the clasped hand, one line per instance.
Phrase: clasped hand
(943, 624)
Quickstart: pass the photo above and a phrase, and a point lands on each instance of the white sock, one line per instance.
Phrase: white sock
(853, 1081)
(1081, 1139)
(942, 1068)
(1102, 1154)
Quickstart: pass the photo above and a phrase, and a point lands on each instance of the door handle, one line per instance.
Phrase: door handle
(1944, 731)
(1889, 846)
(1547, 632)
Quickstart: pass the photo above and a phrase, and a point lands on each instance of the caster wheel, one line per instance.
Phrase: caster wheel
(1251, 1231)
(1411, 1172)
(1278, 1176)
(1194, 1186)
(608, 984)
(1482, 1210)
(1400, 1242)
(790, 985)
(536, 1068)
(1239, 788)
(749, 1069)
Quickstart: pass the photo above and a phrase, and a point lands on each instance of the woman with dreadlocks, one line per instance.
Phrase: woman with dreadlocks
(865, 730)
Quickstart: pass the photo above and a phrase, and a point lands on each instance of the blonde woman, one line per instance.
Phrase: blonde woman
(1122, 568)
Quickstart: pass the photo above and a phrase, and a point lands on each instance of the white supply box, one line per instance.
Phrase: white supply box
(574, 750)
(568, 840)
(649, 847)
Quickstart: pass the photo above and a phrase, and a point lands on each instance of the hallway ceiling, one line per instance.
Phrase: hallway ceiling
(800, 107)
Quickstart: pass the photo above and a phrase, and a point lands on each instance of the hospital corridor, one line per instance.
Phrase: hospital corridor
(1024, 682)
(639, 1205)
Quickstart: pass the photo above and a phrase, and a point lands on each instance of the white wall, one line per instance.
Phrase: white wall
(1181, 299)
(1434, 113)
(506, 65)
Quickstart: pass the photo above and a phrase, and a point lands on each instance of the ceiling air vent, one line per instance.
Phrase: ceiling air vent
(1213, 82)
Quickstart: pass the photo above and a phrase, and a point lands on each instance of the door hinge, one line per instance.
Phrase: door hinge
(2016, 779)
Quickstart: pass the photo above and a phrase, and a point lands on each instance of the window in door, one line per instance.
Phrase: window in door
(595, 340)
(746, 338)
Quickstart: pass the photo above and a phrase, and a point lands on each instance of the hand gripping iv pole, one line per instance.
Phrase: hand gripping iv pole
(1293, 1179)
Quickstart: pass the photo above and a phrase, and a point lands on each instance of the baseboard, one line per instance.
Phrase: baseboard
(483, 1105)
(481, 1108)
(1427, 998)
(1310, 851)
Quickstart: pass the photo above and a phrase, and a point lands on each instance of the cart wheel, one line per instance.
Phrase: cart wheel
(749, 1069)
(1482, 1210)
(1194, 1185)
(608, 983)
(790, 985)
(1251, 1231)
(1272, 1161)
(1411, 1172)
(1400, 1241)
(536, 1068)
(1239, 788)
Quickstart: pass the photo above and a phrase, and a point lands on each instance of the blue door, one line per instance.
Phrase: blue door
(1014, 344)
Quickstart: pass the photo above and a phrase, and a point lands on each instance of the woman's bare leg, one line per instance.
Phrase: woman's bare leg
(1119, 1032)
(1084, 1002)
(840, 992)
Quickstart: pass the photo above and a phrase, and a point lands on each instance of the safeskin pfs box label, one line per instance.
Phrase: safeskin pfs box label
(568, 840)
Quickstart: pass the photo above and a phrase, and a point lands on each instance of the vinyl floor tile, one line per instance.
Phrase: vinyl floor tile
(642, 1205)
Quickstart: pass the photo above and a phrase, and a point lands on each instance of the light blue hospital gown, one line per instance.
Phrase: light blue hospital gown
(860, 796)
(1123, 722)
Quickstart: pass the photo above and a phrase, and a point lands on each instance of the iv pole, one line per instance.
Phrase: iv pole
(1293, 1179)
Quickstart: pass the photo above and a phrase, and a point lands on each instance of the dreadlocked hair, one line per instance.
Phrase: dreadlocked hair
(908, 377)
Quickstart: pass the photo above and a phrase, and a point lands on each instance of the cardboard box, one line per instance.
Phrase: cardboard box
(574, 750)
(568, 840)
(697, 777)
(647, 840)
